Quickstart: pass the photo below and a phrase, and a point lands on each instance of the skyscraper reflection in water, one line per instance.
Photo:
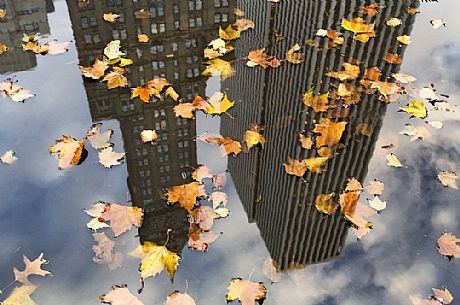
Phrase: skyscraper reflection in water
(178, 31)
(295, 233)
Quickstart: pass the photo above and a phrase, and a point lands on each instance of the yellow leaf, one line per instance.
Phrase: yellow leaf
(148, 135)
(219, 104)
(350, 73)
(319, 103)
(315, 164)
(330, 132)
(144, 93)
(293, 56)
(110, 17)
(416, 109)
(112, 50)
(404, 39)
(229, 33)
(364, 37)
(96, 71)
(172, 93)
(69, 151)
(357, 25)
(115, 80)
(3, 48)
(125, 62)
(324, 203)
(21, 296)
(184, 110)
(252, 138)
(2, 13)
(305, 142)
(220, 67)
(295, 167)
(393, 22)
(413, 10)
(393, 160)
(143, 38)
(155, 259)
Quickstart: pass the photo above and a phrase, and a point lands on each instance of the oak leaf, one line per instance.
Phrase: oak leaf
(120, 295)
(247, 292)
(96, 71)
(154, 259)
(68, 150)
(31, 268)
(109, 158)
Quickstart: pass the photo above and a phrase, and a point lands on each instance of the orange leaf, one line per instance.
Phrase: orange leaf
(330, 132)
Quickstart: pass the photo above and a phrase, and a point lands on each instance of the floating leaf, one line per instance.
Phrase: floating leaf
(116, 79)
(247, 292)
(199, 240)
(143, 38)
(392, 58)
(443, 295)
(330, 132)
(17, 93)
(148, 135)
(437, 23)
(393, 22)
(448, 245)
(293, 56)
(271, 270)
(244, 24)
(315, 165)
(177, 298)
(96, 71)
(220, 67)
(110, 17)
(8, 157)
(375, 187)
(259, 57)
(21, 296)
(144, 93)
(109, 158)
(416, 109)
(229, 33)
(377, 204)
(305, 142)
(448, 179)
(112, 50)
(31, 268)
(324, 203)
(120, 295)
(103, 252)
(404, 39)
(393, 160)
(295, 167)
(97, 139)
(219, 103)
(357, 25)
(69, 151)
(403, 78)
(252, 138)
(351, 72)
(186, 195)
(319, 103)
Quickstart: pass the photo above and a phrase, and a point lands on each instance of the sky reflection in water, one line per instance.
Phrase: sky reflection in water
(41, 207)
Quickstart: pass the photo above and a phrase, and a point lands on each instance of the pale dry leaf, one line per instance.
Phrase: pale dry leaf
(375, 187)
(393, 160)
(31, 268)
(271, 270)
(9, 157)
(177, 298)
(97, 139)
(448, 179)
(120, 295)
(109, 158)
(377, 204)
(148, 135)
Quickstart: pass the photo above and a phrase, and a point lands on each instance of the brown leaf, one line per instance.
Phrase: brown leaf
(326, 204)
(392, 58)
(259, 57)
(96, 71)
(330, 132)
(305, 142)
(294, 167)
(31, 268)
(69, 151)
(448, 245)
(244, 24)
(351, 72)
(187, 194)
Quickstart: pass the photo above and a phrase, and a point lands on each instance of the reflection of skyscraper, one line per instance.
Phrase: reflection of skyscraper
(23, 17)
(283, 205)
(178, 31)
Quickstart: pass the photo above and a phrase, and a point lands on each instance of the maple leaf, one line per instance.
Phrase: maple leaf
(172, 93)
(364, 37)
(96, 211)
(220, 67)
(443, 295)
(416, 109)
(330, 132)
(247, 292)
(99, 140)
(155, 259)
(375, 187)
(116, 79)
(448, 245)
(186, 195)
(201, 172)
(148, 135)
(319, 103)
(55, 47)
(120, 295)
(370, 10)
(144, 93)
(109, 158)
(271, 270)
(357, 25)
(17, 93)
(393, 160)
(305, 142)
(177, 298)
(31, 268)
(229, 33)
(324, 203)
(243, 24)
(448, 179)
(315, 165)
(393, 22)
(112, 50)
(21, 296)
(295, 167)
(199, 240)
(96, 71)
(143, 38)
(121, 218)
(393, 58)
(403, 78)
(385, 88)
(229, 146)
(259, 57)
(184, 110)
(293, 56)
(69, 151)
(252, 138)
(8, 157)
(103, 252)
(110, 17)
(351, 72)
(219, 103)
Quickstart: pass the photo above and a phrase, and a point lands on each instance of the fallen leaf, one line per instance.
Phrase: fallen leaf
(201, 173)
(375, 187)
(370, 10)
(413, 10)
(305, 142)
(109, 158)
(115, 79)
(142, 14)
(3, 48)
(364, 129)
(143, 38)
(448, 245)
(418, 301)
(17, 93)
(392, 58)
(415, 133)
(9, 157)
(148, 135)
(448, 179)
(185, 110)
(377, 204)
(2, 13)
(218, 198)
(404, 39)
(385, 88)
(229, 33)
(110, 17)
(330, 132)
(403, 78)
(326, 204)
(200, 240)
(428, 94)
(443, 295)
(219, 180)
(351, 72)
(69, 151)
(186, 195)
(144, 93)
(293, 56)
(97, 139)
(31, 268)
(172, 93)
(416, 109)
(103, 252)
(437, 23)
(295, 167)
(155, 259)
(96, 71)
(319, 103)
(218, 103)
(229, 146)
(357, 25)
(177, 298)
(247, 292)
(204, 216)
(271, 270)
(394, 22)
(243, 24)
(121, 217)
(393, 160)
(435, 124)
(120, 295)
(112, 50)
(21, 296)
(252, 138)
(259, 57)
(315, 165)
(220, 67)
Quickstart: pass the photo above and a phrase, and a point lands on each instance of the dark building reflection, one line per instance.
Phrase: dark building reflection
(178, 31)
(22, 17)
(294, 232)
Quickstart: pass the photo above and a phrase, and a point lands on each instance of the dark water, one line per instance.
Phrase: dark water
(271, 212)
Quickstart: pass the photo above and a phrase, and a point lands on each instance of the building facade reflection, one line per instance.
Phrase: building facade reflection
(22, 17)
(178, 31)
(294, 232)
